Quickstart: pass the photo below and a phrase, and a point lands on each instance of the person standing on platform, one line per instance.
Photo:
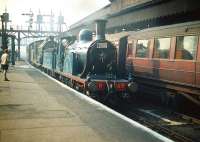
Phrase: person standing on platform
(4, 63)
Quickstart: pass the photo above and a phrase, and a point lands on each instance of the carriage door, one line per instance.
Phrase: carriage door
(185, 59)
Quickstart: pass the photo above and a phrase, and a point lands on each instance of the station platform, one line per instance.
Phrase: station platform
(35, 108)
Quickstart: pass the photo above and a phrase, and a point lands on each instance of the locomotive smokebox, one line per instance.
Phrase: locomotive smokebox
(100, 29)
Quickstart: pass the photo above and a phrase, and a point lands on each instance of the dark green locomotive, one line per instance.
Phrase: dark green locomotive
(88, 65)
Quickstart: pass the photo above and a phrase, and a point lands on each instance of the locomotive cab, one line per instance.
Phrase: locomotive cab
(75, 54)
(49, 52)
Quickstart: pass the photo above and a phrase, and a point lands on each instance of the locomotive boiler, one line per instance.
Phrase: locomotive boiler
(91, 59)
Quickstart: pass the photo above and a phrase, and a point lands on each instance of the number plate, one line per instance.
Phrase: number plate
(102, 45)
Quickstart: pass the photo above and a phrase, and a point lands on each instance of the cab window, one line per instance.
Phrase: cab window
(186, 47)
(142, 48)
(161, 48)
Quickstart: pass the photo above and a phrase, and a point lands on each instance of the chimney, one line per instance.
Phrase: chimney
(100, 29)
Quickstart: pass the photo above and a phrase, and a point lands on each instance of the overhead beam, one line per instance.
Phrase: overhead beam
(29, 31)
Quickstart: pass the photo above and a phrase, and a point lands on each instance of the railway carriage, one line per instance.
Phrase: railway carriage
(166, 60)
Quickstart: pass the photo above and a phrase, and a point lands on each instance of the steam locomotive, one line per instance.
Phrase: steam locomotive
(90, 66)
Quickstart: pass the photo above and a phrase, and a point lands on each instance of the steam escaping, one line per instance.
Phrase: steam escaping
(71, 10)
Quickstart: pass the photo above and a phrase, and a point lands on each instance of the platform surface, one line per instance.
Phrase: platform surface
(33, 108)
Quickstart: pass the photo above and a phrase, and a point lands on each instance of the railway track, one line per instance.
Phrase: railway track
(177, 126)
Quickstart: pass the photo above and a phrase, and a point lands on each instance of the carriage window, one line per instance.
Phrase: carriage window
(186, 47)
(130, 49)
(142, 48)
(161, 48)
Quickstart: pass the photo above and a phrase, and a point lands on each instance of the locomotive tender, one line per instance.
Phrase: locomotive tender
(90, 66)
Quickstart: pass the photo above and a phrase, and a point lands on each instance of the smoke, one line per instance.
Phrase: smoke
(82, 8)
(72, 10)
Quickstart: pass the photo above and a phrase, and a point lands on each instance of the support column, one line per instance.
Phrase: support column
(18, 42)
(13, 50)
(4, 20)
(3, 34)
